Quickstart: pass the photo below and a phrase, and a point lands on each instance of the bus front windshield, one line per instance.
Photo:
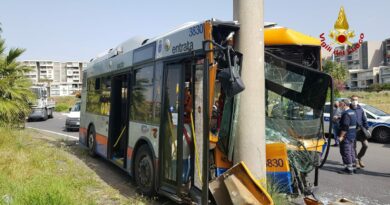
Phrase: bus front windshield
(290, 118)
(295, 96)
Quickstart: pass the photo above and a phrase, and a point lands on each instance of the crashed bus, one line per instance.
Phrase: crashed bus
(165, 110)
(149, 106)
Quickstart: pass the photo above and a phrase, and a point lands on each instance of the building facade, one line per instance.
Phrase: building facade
(369, 55)
(386, 51)
(368, 65)
(63, 78)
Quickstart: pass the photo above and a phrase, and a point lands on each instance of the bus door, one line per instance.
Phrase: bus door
(177, 138)
(118, 127)
(172, 126)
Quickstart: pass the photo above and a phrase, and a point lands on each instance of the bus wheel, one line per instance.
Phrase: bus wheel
(92, 142)
(144, 172)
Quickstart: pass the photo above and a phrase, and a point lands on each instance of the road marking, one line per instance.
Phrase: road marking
(57, 133)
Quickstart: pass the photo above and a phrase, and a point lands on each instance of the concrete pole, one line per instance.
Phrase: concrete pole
(250, 140)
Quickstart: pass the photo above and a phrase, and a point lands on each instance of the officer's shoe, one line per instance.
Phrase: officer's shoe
(361, 164)
(346, 171)
(356, 166)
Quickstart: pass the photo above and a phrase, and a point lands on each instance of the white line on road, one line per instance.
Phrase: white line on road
(57, 133)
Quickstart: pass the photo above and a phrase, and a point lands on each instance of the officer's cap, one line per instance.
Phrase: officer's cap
(346, 101)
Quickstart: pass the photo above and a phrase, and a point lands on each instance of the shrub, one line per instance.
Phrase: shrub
(379, 87)
(14, 88)
(61, 107)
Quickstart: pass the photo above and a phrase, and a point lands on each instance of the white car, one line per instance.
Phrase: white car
(378, 122)
(73, 119)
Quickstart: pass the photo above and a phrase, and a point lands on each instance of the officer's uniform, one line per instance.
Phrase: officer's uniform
(348, 124)
(361, 120)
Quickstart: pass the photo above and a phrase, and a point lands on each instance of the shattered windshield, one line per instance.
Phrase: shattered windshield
(290, 117)
(295, 97)
(292, 107)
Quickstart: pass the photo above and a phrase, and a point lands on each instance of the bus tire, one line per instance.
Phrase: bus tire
(144, 172)
(92, 142)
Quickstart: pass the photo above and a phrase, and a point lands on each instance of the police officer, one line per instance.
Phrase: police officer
(361, 122)
(347, 136)
(336, 119)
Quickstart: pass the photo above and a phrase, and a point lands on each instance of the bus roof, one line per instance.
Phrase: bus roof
(276, 36)
(122, 55)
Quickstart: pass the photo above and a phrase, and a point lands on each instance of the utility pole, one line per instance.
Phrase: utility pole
(250, 140)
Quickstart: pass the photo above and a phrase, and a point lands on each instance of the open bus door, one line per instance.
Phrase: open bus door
(184, 118)
(171, 144)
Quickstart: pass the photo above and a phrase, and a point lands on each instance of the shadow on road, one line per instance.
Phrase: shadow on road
(386, 145)
(339, 167)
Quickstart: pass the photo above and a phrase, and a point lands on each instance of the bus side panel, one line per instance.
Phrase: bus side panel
(83, 131)
(101, 128)
(138, 131)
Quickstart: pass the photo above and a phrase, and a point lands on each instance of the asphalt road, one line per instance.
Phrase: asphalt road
(371, 186)
(56, 124)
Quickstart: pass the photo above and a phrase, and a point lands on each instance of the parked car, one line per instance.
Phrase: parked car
(378, 122)
(73, 119)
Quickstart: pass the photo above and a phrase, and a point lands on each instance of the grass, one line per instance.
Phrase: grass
(35, 171)
(63, 103)
(274, 190)
(380, 100)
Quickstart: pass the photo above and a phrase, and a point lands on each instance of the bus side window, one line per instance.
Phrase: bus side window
(142, 95)
(105, 96)
(157, 80)
(97, 84)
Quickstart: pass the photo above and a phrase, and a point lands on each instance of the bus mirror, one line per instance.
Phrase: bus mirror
(230, 78)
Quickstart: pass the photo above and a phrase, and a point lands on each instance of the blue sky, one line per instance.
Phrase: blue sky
(80, 29)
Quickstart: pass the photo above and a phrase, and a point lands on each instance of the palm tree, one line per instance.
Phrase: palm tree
(15, 94)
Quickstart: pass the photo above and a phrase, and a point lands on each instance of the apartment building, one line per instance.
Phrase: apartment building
(368, 65)
(384, 74)
(369, 55)
(386, 51)
(63, 78)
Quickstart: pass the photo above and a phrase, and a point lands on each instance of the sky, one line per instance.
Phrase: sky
(78, 30)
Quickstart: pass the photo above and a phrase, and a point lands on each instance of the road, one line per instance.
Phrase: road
(370, 186)
(56, 124)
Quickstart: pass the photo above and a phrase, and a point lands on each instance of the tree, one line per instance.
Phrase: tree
(339, 74)
(15, 93)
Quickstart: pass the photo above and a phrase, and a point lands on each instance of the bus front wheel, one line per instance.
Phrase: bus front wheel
(92, 142)
(144, 172)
